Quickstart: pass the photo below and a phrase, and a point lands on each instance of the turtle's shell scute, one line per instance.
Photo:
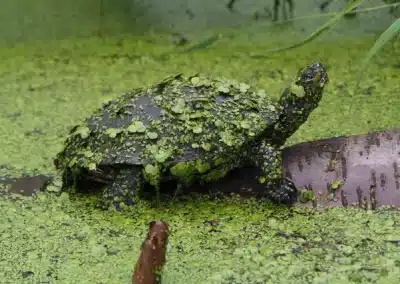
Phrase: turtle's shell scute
(178, 119)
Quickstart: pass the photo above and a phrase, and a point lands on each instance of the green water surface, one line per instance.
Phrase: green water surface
(48, 87)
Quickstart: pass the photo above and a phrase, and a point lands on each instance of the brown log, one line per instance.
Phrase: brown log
(152, 256)
(360, 170)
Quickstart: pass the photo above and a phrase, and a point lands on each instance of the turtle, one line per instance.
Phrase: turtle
(186, 129)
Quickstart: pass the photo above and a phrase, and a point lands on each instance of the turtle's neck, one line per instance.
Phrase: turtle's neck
(295, 111)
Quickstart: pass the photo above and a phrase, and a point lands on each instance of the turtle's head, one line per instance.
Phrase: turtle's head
(299, 100)
(313, 79)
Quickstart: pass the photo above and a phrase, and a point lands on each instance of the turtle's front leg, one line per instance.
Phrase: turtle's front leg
(125, 187)
(269, 160)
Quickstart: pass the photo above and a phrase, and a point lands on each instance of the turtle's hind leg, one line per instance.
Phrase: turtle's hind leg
(125, 187)
(269, 160)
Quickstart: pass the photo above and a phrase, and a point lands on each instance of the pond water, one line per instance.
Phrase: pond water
(46, 87)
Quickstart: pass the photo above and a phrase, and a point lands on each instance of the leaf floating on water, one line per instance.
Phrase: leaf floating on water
(152, 135)
(202, 166)
(83, 131)
(151, 170)
(227, 138)
(92, 166)
(245, 124)
(262, 93)
(113, 132)
(162, 155)
(106, 100)
(195, 80)
(206, 146)
(243, 87)
(88, 154)
(297, 90)
(53, 188)
(179, 106)
(223, 89)
(137, 126)
(198, 129)
(196, 114)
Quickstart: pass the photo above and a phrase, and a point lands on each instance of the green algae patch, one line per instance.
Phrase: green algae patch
(183, 170)
(63, 240)
(202, 166)
(48, 87)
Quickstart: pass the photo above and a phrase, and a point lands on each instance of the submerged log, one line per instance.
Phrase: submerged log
(152, 256)
(360, 170)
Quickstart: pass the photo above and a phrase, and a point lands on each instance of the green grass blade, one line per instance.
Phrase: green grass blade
(350, 6)
(379, 43)
(324, 15)
(202, 44)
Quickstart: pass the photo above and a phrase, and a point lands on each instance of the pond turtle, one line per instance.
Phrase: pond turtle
(186, 129)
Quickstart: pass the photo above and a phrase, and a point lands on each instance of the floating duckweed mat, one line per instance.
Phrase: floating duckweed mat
(47, 87)
(52, 239)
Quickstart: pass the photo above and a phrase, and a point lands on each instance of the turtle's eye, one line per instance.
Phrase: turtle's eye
(314, 74)
(308, 75)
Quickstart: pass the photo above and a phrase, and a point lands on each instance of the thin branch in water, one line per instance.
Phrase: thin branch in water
(152, 256)
(202, 44)
(323, 15)
(349, 7)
